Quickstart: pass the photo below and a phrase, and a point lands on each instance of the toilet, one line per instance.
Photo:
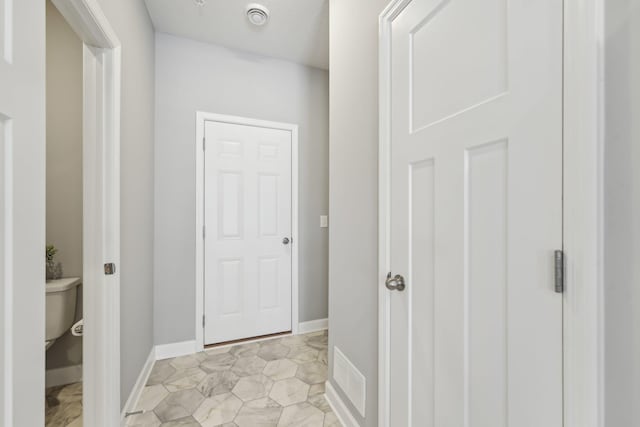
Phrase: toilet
(61, 307)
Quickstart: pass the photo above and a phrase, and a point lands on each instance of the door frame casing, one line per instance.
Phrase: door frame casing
(583, 326)
(584, 213)
(101, 209)
(201, 119)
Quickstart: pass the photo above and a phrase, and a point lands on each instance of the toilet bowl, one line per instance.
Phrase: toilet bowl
(61, 307)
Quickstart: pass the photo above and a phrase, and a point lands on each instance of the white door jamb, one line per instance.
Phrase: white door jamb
(201, 118)
(583, 213)
(387, 16)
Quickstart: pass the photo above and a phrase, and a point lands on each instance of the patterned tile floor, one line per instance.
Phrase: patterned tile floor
(63, 406)
(278, 382)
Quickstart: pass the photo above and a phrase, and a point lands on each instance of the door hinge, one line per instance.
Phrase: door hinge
(109, 269)
(203, 321)
(559, 271)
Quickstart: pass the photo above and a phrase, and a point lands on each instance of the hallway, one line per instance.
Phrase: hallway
(277, 382)
(452, 186)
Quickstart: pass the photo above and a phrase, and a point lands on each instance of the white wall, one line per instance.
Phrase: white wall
(64, 165)
(133, 27)
(193, 76)
(353, 248)
(622, 213)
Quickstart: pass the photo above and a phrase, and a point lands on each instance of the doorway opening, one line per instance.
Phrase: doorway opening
(64, 213)
(83, 216)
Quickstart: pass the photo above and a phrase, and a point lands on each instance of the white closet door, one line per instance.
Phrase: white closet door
(248, 231)
(476, 214)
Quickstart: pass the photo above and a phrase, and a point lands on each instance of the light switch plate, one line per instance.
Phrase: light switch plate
(324, 221)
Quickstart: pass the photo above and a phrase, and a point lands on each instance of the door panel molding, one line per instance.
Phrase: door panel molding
(265, 151)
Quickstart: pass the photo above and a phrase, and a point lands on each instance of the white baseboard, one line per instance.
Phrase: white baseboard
(176, 349)
(134, 396)
(62, 376)
(313, 326)
(339, 407)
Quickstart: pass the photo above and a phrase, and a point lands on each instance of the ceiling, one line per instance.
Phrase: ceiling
(298, 30)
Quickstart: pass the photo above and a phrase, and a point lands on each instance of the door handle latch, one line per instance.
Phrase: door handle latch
(109, 269)
(395, 283)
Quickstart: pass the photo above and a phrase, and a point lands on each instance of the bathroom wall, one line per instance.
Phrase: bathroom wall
(622, 213)
(194, 76)
(64, 165)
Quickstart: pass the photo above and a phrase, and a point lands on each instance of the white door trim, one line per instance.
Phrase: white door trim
(384, 206)
(583, 211)
(201, 118)
(101, 236)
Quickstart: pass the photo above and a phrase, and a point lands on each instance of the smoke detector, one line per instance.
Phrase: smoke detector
(257, 14)
(200, 3)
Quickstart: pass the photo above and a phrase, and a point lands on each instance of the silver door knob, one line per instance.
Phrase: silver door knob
(285, 241)
(395, 283)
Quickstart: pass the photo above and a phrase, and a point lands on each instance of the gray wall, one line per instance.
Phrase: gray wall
(193, 76)
(64, 165)
(622, 213)
(64, 142)
(353, 247)
(133, 26)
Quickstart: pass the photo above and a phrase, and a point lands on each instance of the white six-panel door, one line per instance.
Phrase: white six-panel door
(475, 214)
(248, 216)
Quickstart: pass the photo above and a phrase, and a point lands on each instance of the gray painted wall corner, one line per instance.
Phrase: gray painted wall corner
(353, 260)
(622, 212)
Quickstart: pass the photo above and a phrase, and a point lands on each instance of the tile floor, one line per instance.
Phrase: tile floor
(278, 382)
(63, 406)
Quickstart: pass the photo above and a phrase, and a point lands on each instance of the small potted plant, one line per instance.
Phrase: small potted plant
(54, 269)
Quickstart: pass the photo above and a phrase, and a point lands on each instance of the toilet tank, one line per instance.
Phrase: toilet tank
(61, 306)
